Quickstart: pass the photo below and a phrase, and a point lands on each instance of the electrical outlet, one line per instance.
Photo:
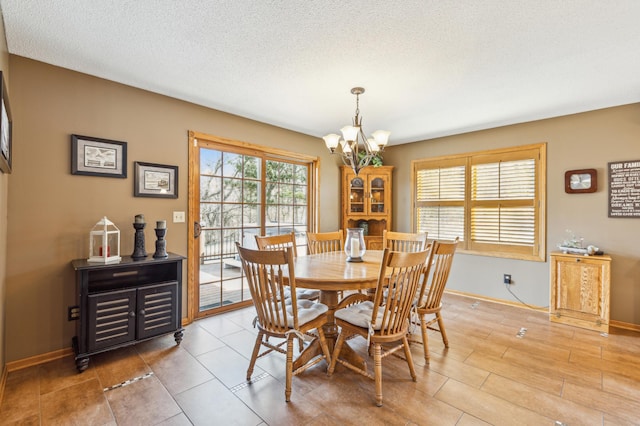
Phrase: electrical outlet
(73, 313)
(178, 217)
(507, 278)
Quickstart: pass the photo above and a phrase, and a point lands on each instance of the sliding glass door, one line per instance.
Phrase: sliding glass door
(238, 194)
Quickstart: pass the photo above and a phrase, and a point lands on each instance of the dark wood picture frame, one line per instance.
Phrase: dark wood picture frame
(6, 129)
(98, 157)
(573, 183)
(155, 180)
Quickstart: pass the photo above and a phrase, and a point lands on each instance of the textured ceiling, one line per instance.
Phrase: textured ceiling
(430, 67)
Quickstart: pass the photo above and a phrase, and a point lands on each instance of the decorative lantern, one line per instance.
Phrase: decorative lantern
(354, 246)
(104, 242)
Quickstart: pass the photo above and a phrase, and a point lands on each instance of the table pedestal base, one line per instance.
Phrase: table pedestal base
(329, 298)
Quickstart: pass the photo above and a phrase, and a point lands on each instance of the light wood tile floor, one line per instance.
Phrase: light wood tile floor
(552, 375)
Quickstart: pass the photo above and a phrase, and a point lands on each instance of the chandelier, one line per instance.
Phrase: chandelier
(357, 149)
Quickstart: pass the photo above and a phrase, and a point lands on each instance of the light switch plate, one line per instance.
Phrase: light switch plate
(178, 217)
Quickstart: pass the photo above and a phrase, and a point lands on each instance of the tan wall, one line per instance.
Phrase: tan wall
(51, 211)
(4, 191)
(587, 140)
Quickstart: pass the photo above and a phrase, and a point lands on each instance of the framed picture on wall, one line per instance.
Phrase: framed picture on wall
(98, 157)
(5, 128)
(155, 180)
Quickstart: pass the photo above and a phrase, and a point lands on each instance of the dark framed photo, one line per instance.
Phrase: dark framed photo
(155, 180)
(581, 181)
(98, 157)
(5, 128)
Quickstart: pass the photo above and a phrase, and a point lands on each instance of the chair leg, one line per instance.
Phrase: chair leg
(254, 355)
(377, 369)
(425, 338)
(289, 373)
(336, 353)
(407, 354)
(444, 333)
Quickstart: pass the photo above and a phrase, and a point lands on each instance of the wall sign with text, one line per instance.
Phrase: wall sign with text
(624, 189)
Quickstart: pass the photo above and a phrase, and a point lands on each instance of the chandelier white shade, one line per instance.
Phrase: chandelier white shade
(356, 149)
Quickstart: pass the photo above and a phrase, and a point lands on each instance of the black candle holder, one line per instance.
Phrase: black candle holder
(161, 244)
(139, 251)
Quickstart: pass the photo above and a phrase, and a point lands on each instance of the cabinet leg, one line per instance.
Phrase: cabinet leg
(82, 364)
(178, 336)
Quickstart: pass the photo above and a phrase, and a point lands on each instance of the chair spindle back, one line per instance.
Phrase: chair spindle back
(325, 241)
(277, 242)
(398, 282)
(403, 241)
(439, 266)
(266, 272)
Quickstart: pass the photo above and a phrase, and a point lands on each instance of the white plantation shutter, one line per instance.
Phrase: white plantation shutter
(441, 184)
(492, 200)
(441, 223)
(504, 180)
(440, 197)
(505, 225)
(503, 195)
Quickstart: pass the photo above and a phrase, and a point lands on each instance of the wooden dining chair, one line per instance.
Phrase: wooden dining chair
(265, 272)
(429, 300)
(277, 242)
(280, 242)
(322, 242)
(379, 319)
(404, 241)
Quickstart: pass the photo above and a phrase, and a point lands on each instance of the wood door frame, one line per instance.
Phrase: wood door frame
(193, 182)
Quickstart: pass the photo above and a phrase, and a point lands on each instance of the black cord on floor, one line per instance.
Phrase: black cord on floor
(521, 301)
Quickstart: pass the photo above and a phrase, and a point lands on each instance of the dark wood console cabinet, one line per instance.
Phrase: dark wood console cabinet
(123, 303)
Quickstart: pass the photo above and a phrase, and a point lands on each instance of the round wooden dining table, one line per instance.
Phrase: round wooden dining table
(331, 273)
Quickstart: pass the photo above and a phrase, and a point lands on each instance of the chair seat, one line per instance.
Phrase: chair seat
(303, 293)
(360, 315)
(307, 293)
(308, 310)
(302, 303)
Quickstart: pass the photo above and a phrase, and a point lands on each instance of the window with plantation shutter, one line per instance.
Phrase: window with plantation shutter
(492, 200)
(440, 201)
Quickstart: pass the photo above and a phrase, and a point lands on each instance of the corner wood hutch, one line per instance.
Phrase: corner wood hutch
(366, 202)
(123, 303)
(580, 290)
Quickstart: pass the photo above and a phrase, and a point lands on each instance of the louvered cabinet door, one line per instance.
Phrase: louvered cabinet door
(157, 309)
(112, 318)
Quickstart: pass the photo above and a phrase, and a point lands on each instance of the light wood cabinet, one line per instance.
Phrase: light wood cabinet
(366, 202)
(580, 290)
